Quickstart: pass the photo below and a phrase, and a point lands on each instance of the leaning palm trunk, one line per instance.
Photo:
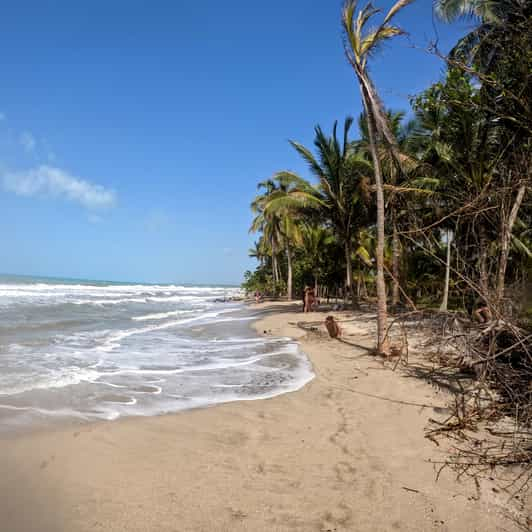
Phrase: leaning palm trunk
(396, 255)
(359, 46)
(506, 235)
(289, 274)
(382, 311)
(445, 300)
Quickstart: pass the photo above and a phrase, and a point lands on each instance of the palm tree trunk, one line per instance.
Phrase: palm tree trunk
(349, 272)
(506, 235)
(396, 255)
(445, 301)
(274, 264)
(289, 275)
(483, 265)
(382, 311)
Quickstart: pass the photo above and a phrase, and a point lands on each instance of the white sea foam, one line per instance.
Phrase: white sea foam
(222, 364)
(162, 315)
(151, 345)
(102, 295)
(59, 378)
(55, 412)
(113, 342)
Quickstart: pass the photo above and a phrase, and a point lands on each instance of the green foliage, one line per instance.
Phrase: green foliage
(457, 168)
(261, 281)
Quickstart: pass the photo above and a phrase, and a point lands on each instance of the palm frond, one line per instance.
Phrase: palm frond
(291, 202)
(347, 126)
(363, 254)
(395, 9)
(309, 158)
(376, 38)
(451, 10)
(348, 23)
(363, 17)
(290, 179)
(521, 246)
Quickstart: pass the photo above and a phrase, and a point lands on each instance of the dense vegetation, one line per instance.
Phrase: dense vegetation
(429, 217)
(433, 211)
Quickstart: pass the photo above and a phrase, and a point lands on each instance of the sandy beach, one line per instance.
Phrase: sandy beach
(345, 453)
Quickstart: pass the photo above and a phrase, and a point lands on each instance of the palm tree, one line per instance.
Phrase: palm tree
(314, 242)
(269, 224)
(279, 209)
(401, 177)
(360, 44)
(258, 251)
(342, 187)
(291, 235)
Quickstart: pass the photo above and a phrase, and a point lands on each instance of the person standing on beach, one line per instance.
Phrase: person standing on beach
(309, 299)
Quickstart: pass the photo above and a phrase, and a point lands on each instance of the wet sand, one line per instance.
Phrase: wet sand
(341, 454)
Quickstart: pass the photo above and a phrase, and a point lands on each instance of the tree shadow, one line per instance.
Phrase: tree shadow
(449, 379)
(369, 350)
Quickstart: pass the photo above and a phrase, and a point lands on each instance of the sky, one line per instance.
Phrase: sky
(133, 133)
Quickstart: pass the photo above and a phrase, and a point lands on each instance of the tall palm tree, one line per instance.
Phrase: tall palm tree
(268, 223)
(401, 176)
(287, 202)
(279, 214)
(342, 187)
(360, 43)
(314, 242)
(258, 251)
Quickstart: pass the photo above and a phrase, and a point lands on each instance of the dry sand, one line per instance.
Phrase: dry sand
(325, 458)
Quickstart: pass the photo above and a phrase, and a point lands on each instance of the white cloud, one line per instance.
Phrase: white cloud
(50, 181)
(28, 141)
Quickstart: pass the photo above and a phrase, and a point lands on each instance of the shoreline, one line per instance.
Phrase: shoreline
(329, 456)
(69, 422)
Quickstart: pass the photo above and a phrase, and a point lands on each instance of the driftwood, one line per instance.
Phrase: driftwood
(491, 417)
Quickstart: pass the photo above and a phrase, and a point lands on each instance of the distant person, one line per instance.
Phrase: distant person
(258, 296)
(309, 299)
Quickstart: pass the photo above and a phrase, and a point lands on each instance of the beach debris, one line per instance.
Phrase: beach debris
(487, 368)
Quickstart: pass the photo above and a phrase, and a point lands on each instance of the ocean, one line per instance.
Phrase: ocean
(90, 350)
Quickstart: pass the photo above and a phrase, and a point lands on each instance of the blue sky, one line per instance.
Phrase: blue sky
(132, 133)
